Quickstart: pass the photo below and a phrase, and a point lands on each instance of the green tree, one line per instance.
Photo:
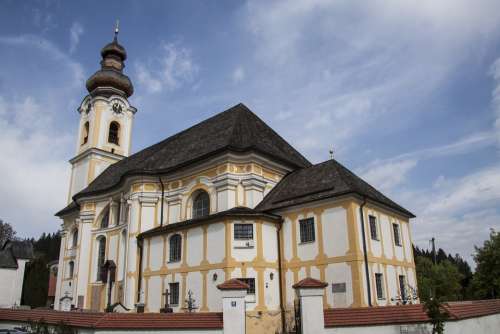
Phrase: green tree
(486, 281)
(36, 277)
(6, 232)
(437, 314)
(441, 257)
(441, 280)
(36, 280)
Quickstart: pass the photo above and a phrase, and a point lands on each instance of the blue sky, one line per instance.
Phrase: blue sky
(406, 93)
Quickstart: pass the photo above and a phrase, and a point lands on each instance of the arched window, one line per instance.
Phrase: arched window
(105, 219)
(101, 255)
(71, 269)
(114, 131)
(175, 248)
(74, 242)
(85, 133)
(201, 204)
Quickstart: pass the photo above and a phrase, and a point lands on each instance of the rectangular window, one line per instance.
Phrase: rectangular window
(379, 285)
(397, 235)
(174, 293)
(175, 248)
(402, 289)
(251, 284)
(307, 230)
(243, 231)
(373, 227)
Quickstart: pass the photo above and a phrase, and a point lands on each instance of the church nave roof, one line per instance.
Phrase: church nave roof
(237, 129)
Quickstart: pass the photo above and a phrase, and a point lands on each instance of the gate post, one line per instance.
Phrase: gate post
(310, 292)
(233, 306)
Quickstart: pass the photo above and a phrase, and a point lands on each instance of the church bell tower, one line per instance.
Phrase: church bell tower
(106, 117)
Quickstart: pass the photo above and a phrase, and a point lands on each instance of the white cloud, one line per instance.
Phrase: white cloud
(238, 75)
(34, 170)
(495, 72)
(36, 136)
(480, 189)
(459, 213)
(50, 50)
(345, 65)
(387, 174)
(169, 71)
(74, 36)
(43, 19)
(145, 77)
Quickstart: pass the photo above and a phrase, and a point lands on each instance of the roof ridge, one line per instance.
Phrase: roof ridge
(236, 119)
(275, 133)
(178, 134)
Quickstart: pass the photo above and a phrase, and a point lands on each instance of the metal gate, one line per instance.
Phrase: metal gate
(297, 315)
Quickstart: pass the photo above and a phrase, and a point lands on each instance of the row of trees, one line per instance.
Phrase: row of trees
(450, 278)
(36, 277)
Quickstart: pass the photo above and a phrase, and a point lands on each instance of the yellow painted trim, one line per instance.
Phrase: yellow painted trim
(352, 230)
(205, 245)
(261, 303)
(204, 297)
(87, 301)
(403, 242)
(181, 302)
(95, 129)
(69, 200)
(148, 256)
(318, 213)
(293, 220)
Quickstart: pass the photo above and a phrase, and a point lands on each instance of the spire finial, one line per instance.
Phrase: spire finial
(331, 153)
(117, 30)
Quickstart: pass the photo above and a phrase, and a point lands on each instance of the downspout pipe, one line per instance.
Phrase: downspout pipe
(365, 254)
(280, 283)
(139, 281)
(162, 200)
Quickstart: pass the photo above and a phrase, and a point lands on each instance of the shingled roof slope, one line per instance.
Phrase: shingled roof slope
(324, 180)
(237, 129)
(20, 249)
(7, 259)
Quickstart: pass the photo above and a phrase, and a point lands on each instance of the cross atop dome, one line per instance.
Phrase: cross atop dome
(116, 30)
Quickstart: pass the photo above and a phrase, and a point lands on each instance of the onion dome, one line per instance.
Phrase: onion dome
(110, 78)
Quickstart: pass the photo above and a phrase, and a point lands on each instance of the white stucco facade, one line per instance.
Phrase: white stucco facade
(11, 284)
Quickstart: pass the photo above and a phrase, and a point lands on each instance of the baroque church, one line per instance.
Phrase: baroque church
(225, 198)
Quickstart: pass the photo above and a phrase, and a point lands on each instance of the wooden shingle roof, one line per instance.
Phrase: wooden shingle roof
(324, 180)
(237, 129)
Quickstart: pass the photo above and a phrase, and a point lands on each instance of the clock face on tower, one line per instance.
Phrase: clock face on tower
(117, 107)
